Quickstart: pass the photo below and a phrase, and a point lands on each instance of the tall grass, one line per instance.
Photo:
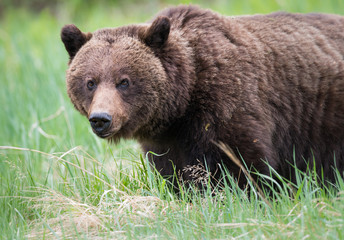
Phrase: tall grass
(59, 181)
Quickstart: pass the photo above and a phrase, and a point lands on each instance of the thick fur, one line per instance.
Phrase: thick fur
(269, 86)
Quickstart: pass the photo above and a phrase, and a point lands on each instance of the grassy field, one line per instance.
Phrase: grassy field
(58, 181)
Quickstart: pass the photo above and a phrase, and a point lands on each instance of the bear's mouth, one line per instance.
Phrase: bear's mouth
(104, 135)
(108, 135)
(106, 129)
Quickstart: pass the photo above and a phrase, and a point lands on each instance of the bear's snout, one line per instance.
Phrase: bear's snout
(100, 123)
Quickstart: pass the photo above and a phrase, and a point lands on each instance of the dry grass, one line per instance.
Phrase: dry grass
(68, 217)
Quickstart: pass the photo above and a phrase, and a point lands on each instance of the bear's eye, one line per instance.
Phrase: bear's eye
(91, 84)
(124, 83)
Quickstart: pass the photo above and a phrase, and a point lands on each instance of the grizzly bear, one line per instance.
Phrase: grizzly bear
(271, 87)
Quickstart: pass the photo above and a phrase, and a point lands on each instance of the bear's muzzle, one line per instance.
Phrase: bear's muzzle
(100, 123)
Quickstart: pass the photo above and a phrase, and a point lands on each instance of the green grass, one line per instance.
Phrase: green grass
(57, 180)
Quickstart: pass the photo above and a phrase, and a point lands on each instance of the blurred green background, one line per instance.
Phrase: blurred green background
(33, 60)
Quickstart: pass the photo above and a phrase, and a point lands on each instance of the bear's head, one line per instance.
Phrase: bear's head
(117, 77)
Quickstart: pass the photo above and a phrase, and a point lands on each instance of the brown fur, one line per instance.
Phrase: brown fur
(269, 86)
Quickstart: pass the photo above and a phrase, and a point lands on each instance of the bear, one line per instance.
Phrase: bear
(271, 87)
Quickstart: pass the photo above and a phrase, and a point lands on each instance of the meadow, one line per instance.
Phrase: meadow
(58, 181)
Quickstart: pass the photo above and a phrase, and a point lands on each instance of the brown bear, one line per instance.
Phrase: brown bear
(269, 86)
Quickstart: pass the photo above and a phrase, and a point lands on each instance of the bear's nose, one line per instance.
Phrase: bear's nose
(100, 122)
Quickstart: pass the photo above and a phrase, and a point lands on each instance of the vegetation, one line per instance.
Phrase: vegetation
(57, 180)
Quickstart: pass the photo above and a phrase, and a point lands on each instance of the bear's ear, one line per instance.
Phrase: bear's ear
(73, 39)
(157, 34)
